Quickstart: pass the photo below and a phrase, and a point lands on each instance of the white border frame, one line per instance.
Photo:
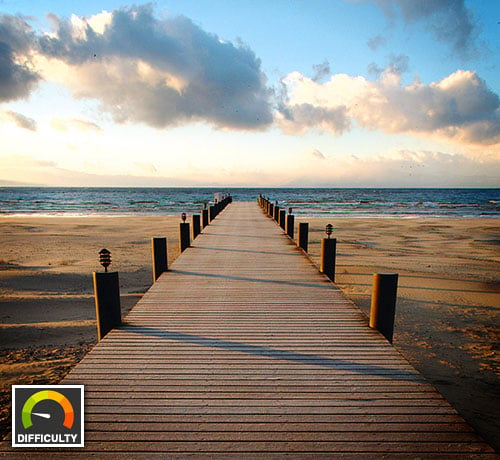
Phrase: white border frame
(54, 387)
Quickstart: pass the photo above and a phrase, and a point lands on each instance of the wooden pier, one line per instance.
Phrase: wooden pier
(243, 350)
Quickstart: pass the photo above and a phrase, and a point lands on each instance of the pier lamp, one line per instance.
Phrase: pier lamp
(105, 258)
(183, 217)
(329, 230)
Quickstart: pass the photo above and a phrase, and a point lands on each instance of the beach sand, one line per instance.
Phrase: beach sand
(447, 312)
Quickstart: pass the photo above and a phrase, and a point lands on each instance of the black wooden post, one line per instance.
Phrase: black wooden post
(204, 217)
(107, 302)
(283, 219)
(185, 237)
(303, 236)
(159, 253)
(196, 225)
(328, 250)
(383, 303)
(290, 223)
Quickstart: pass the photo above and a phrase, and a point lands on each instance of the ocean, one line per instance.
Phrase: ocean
(310, 202)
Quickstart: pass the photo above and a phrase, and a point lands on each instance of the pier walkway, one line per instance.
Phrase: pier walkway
(243, 350)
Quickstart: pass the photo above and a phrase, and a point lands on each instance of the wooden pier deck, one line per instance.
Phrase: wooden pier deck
(243, 350)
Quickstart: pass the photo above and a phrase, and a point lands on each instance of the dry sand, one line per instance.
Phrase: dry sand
(447, 314)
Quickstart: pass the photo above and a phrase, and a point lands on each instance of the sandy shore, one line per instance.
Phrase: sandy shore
(447, 313)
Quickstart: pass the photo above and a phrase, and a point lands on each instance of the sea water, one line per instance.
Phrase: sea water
(311, 202)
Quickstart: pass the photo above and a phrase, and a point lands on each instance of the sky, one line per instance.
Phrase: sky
(322, 93)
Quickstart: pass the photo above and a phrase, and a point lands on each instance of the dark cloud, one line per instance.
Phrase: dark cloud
(450, 20)
(321, 70)
(376, 42)
(20, 120)
(17, 79)
(397, 65)
(162, 72)
(297, 118)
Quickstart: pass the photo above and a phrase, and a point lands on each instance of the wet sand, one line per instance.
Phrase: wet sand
(448, 307)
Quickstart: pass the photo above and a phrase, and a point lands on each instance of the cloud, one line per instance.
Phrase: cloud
(449, 20)
(26, 170)
(147, 168)
(17, 78)
(20, 120)
(318, 155)
(398, 65)
(160, 72)
(376, 42)
(404, 168)
(460, 107)
(64, 125)
(299, 118)
(321, 70)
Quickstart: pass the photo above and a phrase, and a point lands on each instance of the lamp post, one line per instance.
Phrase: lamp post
(107, 296)
(185, 237)
(290, 223)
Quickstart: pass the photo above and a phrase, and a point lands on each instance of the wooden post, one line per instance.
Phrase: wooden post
(204, 217)
(383, 304)
(328, 250)
(185, 236)
(196, 225)
(107, 302)
(211, 212)
(276, 213)
(303, 235)
(159, 253)
(271, 210)
(283, 219)
(290, 223)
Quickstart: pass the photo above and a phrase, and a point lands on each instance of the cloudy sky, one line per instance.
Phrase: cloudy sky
(273, 93)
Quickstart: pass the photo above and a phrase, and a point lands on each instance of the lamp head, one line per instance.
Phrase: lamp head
(105, 258)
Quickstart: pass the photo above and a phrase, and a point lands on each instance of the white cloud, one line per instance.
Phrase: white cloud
(97, 22)
(318, 155)
(70, 124)
(460, 107)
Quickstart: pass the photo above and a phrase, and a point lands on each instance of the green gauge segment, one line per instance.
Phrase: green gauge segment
(34, 399)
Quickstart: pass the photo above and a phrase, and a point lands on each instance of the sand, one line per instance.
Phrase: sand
(447, 318)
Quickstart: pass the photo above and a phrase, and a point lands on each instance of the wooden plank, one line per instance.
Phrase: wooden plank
(117, 455)
(349, 427)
